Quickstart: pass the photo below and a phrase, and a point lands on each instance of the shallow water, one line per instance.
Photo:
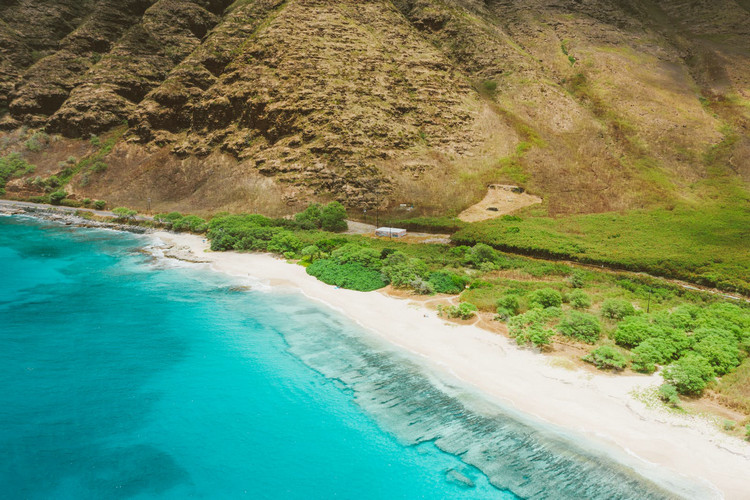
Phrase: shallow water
(124, 377)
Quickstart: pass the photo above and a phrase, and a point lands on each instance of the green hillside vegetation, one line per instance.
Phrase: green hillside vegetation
(707, 245)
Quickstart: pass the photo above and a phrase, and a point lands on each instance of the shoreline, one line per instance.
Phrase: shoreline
(600, 407)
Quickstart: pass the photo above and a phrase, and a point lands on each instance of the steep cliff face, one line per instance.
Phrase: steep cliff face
(593, 105)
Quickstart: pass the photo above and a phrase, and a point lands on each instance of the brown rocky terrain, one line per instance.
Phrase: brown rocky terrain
(211, 104)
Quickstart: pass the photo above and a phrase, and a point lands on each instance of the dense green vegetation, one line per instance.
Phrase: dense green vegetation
(350, 275)
(706, 245)
(697, 338)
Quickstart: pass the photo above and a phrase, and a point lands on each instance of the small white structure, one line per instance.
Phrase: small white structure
(390, 232)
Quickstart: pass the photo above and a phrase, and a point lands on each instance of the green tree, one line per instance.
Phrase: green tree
(690, 374)
(333, 218)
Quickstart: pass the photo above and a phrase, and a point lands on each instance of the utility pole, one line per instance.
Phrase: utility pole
(648, 307)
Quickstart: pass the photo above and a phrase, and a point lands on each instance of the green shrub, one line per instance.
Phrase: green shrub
(86, 202)
(13, 165)
(481, 253)
(690, 374)
(729, 425)
(579, 299)
(310, 218)
(333, 218)
(633, 330)
(52, 182)
(402, 270)
(617, 309)
(100, 204)
(668, 394)
(284, 242)
(98, 166)
(463, 311)
(607, 357)
(531, 328)
(359, 254)
(446, 282)
(651, 352)
(191, 223)
(581, 326)
(577, 279)
(544, 298)
(747, 432)
(507, 306)
(721, 351)
(352, 276)
(57, 196)
(124, 213)
(422, 287)
(310, 252)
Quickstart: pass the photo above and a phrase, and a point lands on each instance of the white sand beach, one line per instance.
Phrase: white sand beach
(600, 406)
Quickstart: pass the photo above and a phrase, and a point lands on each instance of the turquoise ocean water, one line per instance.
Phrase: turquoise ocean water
(123, 376)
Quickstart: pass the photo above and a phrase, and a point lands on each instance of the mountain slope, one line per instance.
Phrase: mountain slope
(594, 106)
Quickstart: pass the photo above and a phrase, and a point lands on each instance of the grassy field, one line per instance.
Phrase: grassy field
(708, 245)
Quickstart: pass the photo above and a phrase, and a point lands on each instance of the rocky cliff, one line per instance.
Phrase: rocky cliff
(208, 104)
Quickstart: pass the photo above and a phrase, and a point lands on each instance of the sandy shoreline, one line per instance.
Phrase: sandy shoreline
(673, 449)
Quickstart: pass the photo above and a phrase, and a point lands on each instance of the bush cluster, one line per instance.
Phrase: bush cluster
(463, 311)
(544, 298)
(580, 326)
(607, 357)
(617, 309)
(331, 217)
(532, 327)
(178, 222)
(688, 339)
(446, 282)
